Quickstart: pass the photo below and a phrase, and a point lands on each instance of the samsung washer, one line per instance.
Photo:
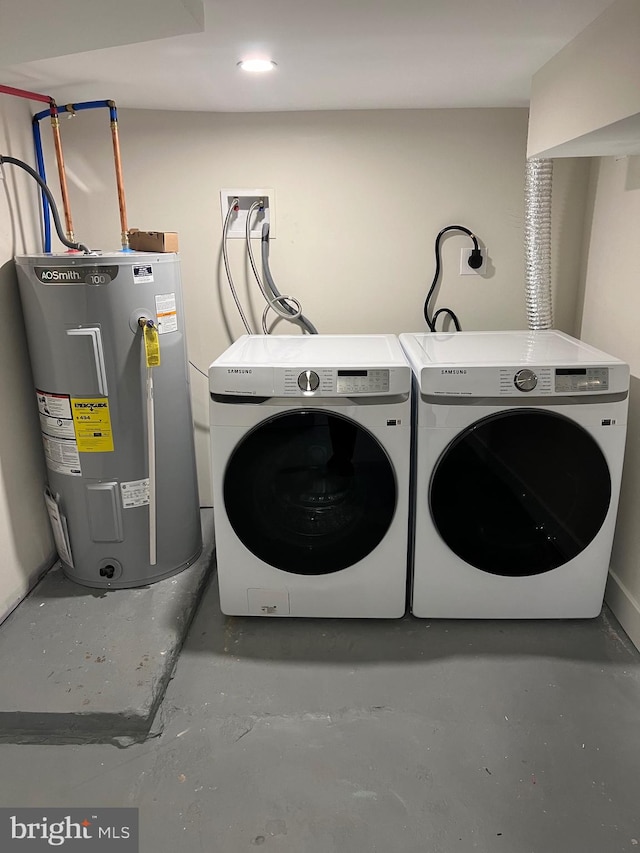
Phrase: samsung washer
(519, 446)
(310, 441)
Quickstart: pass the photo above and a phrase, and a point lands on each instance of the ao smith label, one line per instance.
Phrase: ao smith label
(76, 275)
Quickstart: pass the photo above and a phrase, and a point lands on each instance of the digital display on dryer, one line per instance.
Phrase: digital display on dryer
(581, 379)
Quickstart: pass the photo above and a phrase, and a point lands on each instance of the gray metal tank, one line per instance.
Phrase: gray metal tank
(91, 384)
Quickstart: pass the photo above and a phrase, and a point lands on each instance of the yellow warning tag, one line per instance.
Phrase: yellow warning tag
(152, 347)
(92, 424)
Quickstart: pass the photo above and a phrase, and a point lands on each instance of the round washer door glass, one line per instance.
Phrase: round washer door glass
(310, 492)
(520, 493)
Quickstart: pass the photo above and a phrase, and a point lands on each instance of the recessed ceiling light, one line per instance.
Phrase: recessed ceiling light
(257, 65)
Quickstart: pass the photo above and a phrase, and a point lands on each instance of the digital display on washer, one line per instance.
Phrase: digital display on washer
(362, 381)
(590, 379)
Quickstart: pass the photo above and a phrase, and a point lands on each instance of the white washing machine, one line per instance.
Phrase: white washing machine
(519, 446)
(310, 445)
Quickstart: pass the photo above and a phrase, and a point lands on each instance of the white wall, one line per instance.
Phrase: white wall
(360, 197)
(586, 99)
(25, 540)
(611, 322)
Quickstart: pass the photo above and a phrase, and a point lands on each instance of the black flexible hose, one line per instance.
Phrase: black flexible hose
(54, 208)
(431, 322)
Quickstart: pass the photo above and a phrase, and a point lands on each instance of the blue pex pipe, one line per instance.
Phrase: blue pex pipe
(69, 108)
(37, 141)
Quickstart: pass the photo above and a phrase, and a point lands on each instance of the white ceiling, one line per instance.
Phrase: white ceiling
(31, 30)
(331, 54)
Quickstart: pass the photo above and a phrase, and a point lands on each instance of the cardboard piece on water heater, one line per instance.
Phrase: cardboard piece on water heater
(153, 241)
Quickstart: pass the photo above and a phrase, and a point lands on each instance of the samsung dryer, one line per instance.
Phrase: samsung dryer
(519, 447)
(310, 441)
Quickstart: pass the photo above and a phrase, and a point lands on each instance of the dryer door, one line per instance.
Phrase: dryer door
(520, 493)
(310, 492)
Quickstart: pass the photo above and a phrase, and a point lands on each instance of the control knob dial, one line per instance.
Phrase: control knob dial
(525, 380)
(308, 380)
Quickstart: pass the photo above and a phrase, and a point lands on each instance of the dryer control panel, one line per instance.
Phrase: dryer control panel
(523, 381)
(570, 380)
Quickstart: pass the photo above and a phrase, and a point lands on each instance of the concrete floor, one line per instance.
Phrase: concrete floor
(351, 736)
(85, 665)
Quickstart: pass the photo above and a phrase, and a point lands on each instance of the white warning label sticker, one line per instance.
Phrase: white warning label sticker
(54, 405)
(61, 455)
(57, 427)
(56, 422)
(135, 493)
(142, 274)
(166, 313)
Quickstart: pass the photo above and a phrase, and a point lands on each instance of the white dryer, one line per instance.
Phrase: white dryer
(519, 446)
(310, 439)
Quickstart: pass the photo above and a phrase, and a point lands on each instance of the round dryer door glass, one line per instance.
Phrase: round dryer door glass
(520, 493)
(310, 492)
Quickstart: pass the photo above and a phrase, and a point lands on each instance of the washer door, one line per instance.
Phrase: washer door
(520, 493)
(310, 492)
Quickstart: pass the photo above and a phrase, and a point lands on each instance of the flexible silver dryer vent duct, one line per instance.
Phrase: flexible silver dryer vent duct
(537, 242)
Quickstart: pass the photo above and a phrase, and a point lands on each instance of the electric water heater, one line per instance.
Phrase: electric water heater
(107, 344)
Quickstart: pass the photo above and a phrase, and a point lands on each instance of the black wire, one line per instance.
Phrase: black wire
(431, 322)
(448, 311)
(195, 367)
(54, 208)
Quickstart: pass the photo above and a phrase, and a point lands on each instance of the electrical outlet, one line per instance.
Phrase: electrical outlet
(246, 197)
(465, 269)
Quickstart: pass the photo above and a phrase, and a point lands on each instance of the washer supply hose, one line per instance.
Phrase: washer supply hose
(294, 316)
(227, 266)
(52, 202)
(273, 304)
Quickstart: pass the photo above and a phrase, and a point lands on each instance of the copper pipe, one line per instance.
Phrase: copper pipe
(55, 127)
(119, 179)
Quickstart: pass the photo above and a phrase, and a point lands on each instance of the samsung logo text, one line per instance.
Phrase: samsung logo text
(454, 372)
(238, 370)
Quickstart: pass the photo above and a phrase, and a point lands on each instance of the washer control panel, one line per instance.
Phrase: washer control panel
(330, 381)
(308, 380)
(362, 381)
(586, 379)
(525, 380)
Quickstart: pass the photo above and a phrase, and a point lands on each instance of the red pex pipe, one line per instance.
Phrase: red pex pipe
(55, 127)
(23, 93)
